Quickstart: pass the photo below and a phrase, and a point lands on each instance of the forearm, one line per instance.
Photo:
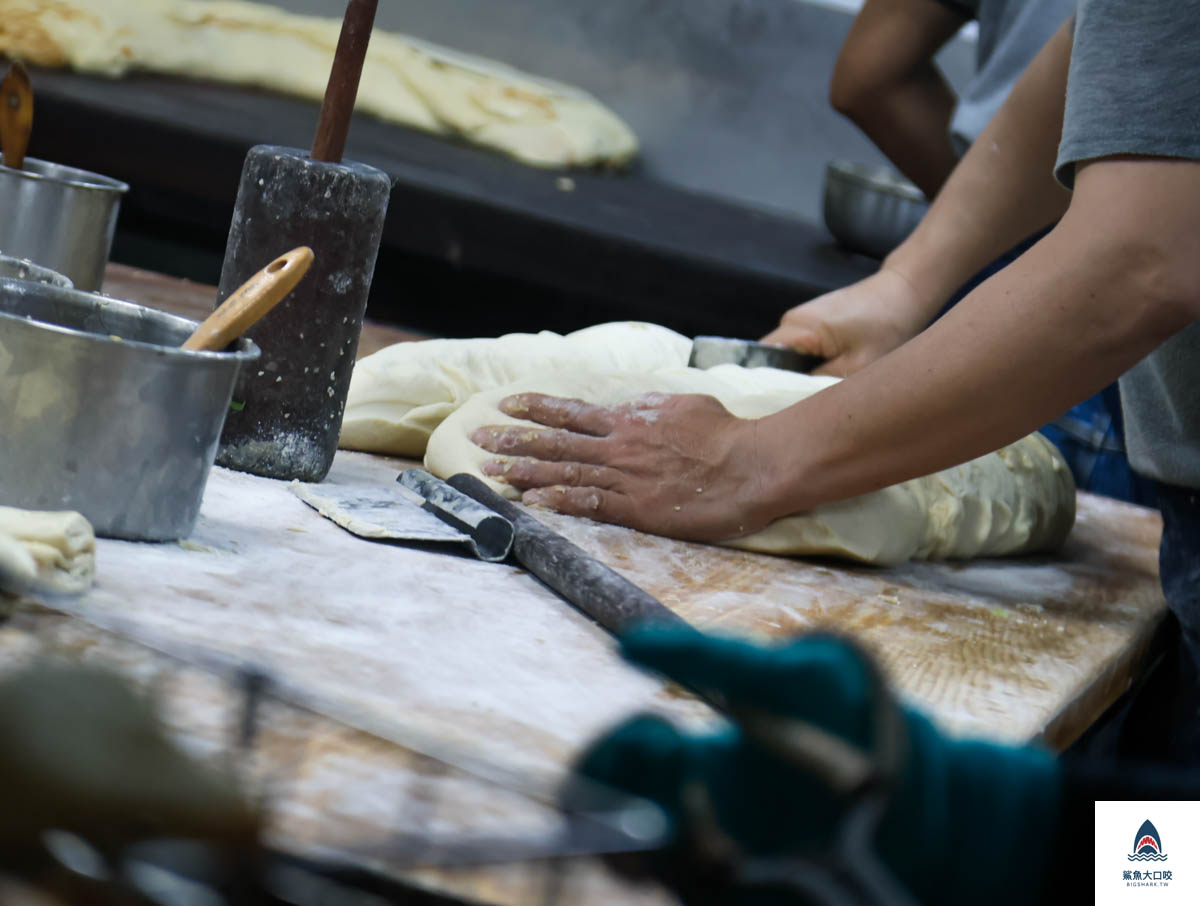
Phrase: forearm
(886, 83)
(1060, 323)
(1002, 191)
(910, 123)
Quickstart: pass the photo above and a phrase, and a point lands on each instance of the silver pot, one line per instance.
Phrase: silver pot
(870, 210)
(60, 218)
(24, 269)
(101, 412)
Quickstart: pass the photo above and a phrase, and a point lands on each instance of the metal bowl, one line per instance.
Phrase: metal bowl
(24, 269)
(103, 413)
(60, 217)
(870, 210)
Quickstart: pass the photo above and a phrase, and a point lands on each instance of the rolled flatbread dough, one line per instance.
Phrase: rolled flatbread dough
(404, 80)
(1020, 499)
(401, 393)
(56, 550)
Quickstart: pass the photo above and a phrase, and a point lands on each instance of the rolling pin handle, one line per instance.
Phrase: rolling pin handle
(604, 595)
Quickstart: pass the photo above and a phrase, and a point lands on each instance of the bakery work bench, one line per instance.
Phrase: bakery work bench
(401, 642)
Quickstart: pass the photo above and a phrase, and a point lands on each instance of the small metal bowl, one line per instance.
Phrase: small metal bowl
(870, 210)
(24, 269)
(61, 217)
(103, 413)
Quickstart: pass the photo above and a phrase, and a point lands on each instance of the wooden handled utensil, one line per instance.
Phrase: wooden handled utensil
(16, 115)
(252, 300)
(342, 89)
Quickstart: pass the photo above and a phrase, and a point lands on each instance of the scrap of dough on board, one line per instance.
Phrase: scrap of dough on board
(53, 550)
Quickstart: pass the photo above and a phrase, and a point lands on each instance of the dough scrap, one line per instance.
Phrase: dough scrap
(401, 393)
(405, 80)
(56, 550)
(1020, 499)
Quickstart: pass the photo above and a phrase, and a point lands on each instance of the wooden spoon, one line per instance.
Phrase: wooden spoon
(16, 115)
(252, 300)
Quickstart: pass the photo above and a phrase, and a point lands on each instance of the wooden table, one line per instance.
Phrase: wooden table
(462, 659)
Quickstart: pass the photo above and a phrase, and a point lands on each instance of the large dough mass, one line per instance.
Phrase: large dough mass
(400, 394)
(1020, 499)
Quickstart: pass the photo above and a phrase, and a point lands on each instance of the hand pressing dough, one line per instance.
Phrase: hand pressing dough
(401, 393)
(56, 550)
(404, 80)
(1018, 500)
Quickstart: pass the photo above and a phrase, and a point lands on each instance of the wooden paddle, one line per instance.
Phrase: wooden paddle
(252, 300)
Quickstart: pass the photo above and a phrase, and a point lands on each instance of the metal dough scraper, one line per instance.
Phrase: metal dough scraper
(419, 507)
(710, 351)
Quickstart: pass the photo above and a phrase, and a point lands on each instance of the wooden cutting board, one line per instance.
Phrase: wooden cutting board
(466, 660)
(1017, 649)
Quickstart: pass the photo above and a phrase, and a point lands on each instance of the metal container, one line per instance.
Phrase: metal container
(60, 218)
(870, 210)
(101, 412)
(24, 269)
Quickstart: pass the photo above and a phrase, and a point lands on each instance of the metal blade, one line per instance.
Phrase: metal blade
(710, 351)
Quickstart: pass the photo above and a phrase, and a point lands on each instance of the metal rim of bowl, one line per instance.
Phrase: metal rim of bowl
(69, 176)
(38, 273)
(245, 351)
(865, 176)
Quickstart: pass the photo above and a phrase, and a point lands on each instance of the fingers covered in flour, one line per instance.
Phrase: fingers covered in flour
(678, 465)
(551, 444)
(574, 415)
(524, 474)
(595, 503)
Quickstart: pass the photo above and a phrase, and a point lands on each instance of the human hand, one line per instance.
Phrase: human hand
(854, 326)
(675, 465)
(961, 813)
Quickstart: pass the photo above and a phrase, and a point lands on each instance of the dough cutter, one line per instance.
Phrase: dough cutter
(710, 351)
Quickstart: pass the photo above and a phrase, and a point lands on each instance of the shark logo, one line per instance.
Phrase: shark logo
(1147, 845)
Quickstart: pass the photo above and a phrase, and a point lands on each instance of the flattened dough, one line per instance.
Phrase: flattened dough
(401, 393)
(405, 80)
(54, 549)
(1020, 499)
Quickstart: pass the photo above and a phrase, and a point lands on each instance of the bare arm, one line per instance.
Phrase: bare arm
(1114, 279)
(1002, 191)
(885, 81)
(1111, 282)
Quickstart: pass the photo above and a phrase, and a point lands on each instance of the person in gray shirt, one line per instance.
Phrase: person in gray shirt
(1114, 287)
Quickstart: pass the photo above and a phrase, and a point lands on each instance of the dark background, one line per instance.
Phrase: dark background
(715, 229)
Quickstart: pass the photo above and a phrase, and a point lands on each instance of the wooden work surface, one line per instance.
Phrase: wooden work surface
(434, 648)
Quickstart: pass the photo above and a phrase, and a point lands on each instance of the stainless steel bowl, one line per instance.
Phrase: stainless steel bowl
(60, 217)
(870, 210)
(24, 269)
(101, 412)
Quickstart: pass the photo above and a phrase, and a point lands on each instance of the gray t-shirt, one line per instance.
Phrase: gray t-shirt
(1134, 88)
(1011, 32)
